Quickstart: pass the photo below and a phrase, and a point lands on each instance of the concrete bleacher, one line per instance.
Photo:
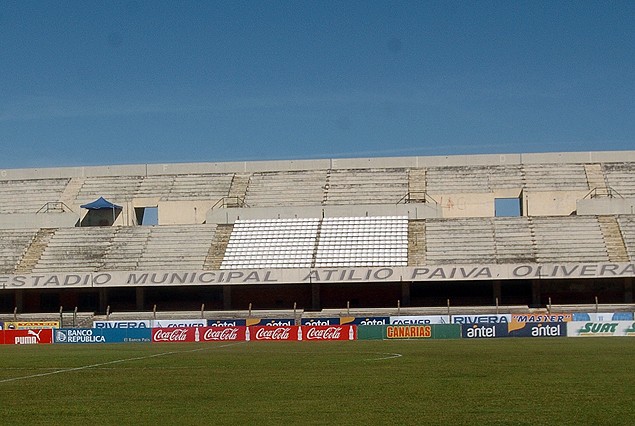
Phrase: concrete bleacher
(13, 245)
(620, 177)
(126, 248)
(555, 177)
(290, 188)
(29, 196)
(113, 188)
(200, 187)
(366, 186)
(569, 239)
(460, 241)
(176, 247)
(627, 227)
(473, 179)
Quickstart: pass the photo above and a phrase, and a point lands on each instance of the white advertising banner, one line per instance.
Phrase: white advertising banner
(421, 319)
(607, 328)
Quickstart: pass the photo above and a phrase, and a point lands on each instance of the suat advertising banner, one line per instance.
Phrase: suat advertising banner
(123, 324)
(420, 319)
(27, 336)
(320, 321)
(233, 322)
(481, 319)
(364, 320)
(25, 325)
(516, 329)
(259, 333)
(602, 316)
(103, 335)
(607, 328)
(326, 332)
(271, 322)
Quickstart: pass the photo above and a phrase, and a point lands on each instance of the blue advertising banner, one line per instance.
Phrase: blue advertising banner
(233, 322)
(272, 322)
(603, 317)
(320, 321)
(99, 335)
(364, 320)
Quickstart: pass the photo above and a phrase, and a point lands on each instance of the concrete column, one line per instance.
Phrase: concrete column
(628, 290)
(19, 300)
(535, 292)
(103, 299)
(140, 293)
(496, 289)
(315, 297)
(405, 293)
(227, 297)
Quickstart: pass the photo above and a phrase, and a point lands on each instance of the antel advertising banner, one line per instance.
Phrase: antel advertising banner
(320, 321)
(27, 336)
(608, 328)
(364, 320)
(275, 322)
(226, 322)
(488, 331)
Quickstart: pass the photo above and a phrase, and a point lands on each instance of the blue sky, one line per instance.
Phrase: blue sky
(120, 82)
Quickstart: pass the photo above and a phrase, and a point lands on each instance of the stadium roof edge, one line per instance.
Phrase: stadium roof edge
(319, 164)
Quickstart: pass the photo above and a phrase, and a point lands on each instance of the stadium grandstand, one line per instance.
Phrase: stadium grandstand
(512, 231)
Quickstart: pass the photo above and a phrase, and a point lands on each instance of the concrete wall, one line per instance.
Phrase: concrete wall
(319, 164)
(38, 220)
(413, 211)
(606, 206)
(552, 203)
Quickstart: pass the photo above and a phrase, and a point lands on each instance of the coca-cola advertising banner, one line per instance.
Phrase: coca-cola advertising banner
(174, 334)
(334, 332)
(198, 334)
(26, 337)
(274, 333)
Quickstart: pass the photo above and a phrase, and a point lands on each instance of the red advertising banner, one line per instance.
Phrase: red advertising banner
(27, 337)
(273, 333)
(328, 332)
(179, 334)
(218, 334)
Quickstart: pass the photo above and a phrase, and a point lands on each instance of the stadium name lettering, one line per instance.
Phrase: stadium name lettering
(582, 270)
(451, 273)
(381, 274)
(172, 278)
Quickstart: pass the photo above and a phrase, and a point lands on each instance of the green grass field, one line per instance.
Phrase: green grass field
(504, 381)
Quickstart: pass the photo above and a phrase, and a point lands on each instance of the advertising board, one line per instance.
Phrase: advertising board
(364, 320)
(175, 334)
(542, 317)
(408, 332)
(515, 329)
(103, 335)
(25, 325)
(320, 321)
(233, 322)
(606, 328)
(123, 324)
(421, 319)
(325, 332)
(273, 333)
(272, 322)
(177, 323)
(602, 317)
(27, 336)
(220, 334)
(481, 319)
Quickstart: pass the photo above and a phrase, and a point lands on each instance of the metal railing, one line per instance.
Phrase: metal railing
(417, 197)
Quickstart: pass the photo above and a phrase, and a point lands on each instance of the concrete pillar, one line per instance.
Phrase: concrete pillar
(103, 299)
(628, 290)
(405, 293)
(227, 297)
(140, 294)
(315, 297)
(19, 300)
(496, 289)
(535, 293)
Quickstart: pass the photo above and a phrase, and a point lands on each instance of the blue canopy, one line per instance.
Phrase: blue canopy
(99, 204)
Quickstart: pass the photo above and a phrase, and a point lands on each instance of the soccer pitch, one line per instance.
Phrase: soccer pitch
(501, 381)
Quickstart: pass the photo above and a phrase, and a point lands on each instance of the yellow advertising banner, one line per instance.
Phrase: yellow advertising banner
(26, 325)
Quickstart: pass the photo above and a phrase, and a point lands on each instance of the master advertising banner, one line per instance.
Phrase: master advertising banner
(27, 336)
(608, 328)
(333, 332)
(25, 325)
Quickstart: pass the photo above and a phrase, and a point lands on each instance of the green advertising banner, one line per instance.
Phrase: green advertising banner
(421, 331)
